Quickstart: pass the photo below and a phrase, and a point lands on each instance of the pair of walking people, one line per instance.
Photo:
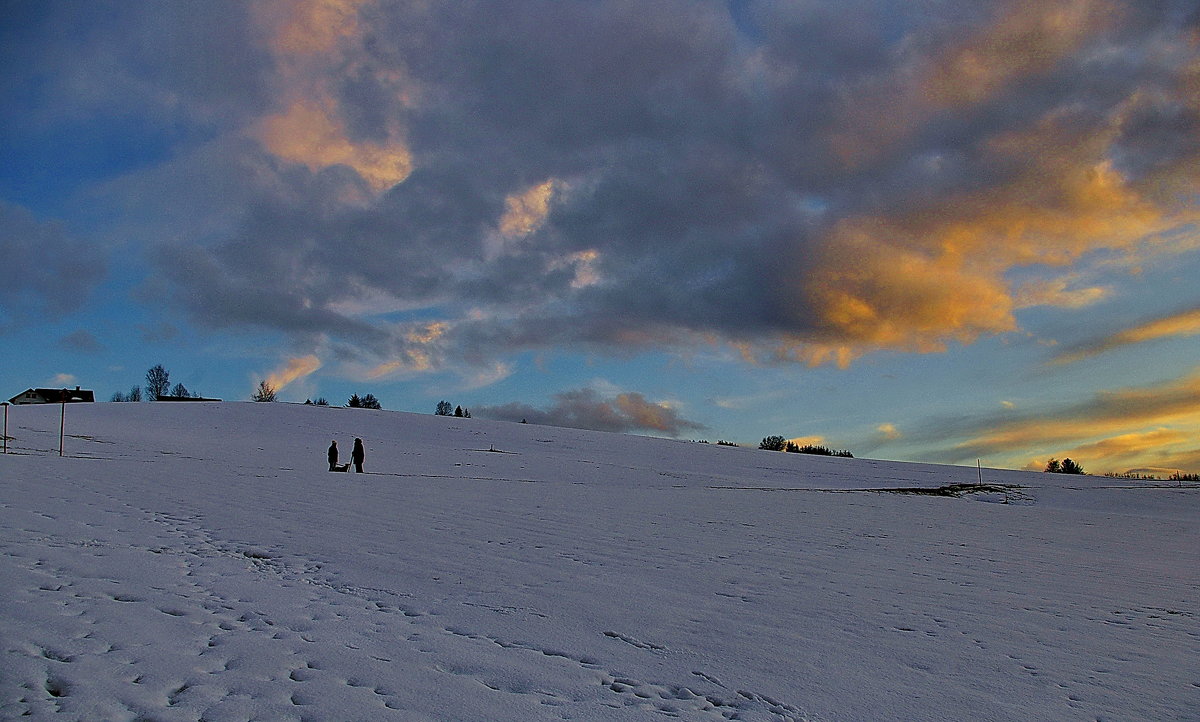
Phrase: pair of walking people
(357, 455)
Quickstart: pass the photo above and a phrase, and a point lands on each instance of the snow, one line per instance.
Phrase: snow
(197, 561)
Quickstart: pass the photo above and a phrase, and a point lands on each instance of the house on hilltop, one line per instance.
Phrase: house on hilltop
(53, 396)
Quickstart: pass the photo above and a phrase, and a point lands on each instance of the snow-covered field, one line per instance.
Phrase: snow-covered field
(197, 562)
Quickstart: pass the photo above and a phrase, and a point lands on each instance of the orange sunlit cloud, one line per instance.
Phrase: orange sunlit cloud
(888, 432)
(309, 134)
(916, 281)
(923, 277)
(526, 211)
(1186, 323)
(419, 355)
(1144, 449)
(1126, 425)
(309, 130)
(296, 368)
(310, 26)
(1059, 292)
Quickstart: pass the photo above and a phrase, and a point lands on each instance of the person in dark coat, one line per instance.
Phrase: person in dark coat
(358, 455)
(333, 456)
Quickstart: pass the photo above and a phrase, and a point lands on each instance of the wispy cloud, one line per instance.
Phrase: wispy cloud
(1182, 324)
(1120, 429)
(293, 370)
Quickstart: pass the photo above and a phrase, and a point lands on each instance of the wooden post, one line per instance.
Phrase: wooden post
(5, 427)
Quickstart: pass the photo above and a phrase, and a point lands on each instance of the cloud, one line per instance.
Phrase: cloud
(1124, 427)
(1060, 293)
(888, 432)
(293, 370)
(586, 409)
(46, 272)
(1182, 324)
(313, 42)
(81, 341)
(1157, 446)
(1024, 39)
(624, 176)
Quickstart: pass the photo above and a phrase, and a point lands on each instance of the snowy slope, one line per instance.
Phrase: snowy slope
(196, 561)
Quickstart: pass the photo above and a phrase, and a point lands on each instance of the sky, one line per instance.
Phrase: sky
(913, 229)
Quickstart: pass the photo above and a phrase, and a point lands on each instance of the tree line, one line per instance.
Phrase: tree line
(443, 409)
(780, 443)
(158, 386)
(1066, 466)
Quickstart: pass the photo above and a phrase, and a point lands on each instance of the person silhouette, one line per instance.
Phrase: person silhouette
(358, 455)
(333, 456)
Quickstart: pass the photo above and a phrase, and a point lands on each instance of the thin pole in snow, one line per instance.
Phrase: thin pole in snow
(62, 422)
(979, 468)
(5, 404)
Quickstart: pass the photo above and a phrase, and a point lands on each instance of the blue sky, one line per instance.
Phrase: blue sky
(918, 231)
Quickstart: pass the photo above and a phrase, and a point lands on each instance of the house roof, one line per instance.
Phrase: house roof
(55, 396)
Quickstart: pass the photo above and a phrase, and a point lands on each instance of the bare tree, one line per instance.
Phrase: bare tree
(158, 381)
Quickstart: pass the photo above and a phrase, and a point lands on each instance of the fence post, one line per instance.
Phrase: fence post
(5, 405)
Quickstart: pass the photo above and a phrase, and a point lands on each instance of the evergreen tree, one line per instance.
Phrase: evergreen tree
(443, 409)
(265, 392)
(1071, 467)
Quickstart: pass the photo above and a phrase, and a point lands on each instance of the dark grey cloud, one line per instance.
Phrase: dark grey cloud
(45, 272)
(587, 409)
(161, 67)
(81, 341)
